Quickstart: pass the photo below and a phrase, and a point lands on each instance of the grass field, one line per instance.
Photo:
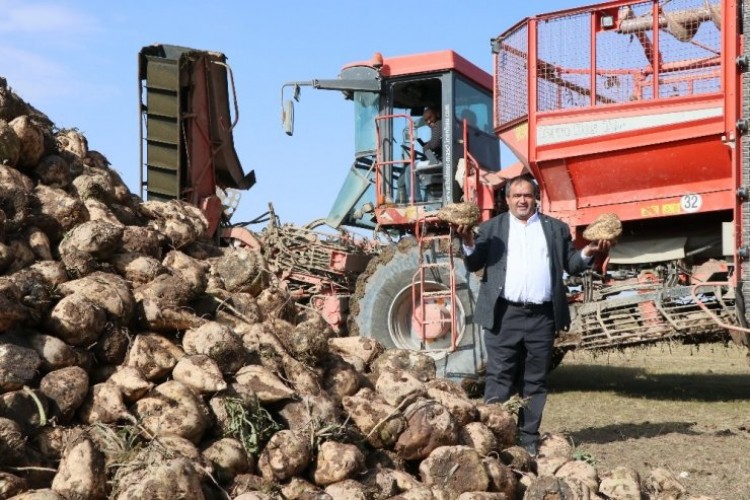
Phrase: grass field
(685, 408)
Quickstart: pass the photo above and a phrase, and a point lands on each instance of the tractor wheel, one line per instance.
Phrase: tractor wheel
(382, 309)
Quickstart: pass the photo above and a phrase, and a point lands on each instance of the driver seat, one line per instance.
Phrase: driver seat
(429, 174)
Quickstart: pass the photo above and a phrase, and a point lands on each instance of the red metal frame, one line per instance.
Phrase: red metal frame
(388, 213)
(381, 163)
(201, 170)
(479, 187)
(420, 305)
(657, 36)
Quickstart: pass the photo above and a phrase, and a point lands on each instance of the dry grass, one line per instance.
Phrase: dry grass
(685, 408)
(120, 444)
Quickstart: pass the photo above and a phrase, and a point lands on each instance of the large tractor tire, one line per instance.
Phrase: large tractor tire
(382, 309)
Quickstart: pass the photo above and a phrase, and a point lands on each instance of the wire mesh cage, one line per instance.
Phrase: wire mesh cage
(690, 44)
(511, 75)
(564, 62)
(623, 58)
(611, 55)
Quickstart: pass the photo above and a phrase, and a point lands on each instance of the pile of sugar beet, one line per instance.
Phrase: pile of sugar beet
(138, 360)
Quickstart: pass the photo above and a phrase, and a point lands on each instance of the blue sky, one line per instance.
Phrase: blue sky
(77, 62)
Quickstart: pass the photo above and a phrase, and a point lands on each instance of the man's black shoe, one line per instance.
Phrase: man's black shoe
(531, 446)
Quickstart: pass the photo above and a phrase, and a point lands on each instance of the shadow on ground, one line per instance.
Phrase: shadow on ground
(622, 432)
(637, 382)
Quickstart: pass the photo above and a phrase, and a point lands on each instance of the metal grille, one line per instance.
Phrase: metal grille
(647, 318)
(564, 62)
(511, 75)
(622, 57)
(689, 51)
(690, 44)
(688, 55)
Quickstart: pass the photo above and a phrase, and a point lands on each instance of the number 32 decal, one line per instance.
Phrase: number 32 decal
(691, 202)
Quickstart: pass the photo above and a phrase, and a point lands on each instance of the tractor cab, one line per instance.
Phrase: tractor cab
(403, 166)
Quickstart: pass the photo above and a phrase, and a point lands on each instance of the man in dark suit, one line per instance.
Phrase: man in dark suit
(522, 300)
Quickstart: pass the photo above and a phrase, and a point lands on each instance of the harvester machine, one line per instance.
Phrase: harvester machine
(416, 294)
(188, 108)
(629, 107)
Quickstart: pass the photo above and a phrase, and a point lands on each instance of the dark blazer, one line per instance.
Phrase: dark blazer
(491, 255)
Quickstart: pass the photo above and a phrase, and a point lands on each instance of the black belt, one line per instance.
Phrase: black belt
(530, 306)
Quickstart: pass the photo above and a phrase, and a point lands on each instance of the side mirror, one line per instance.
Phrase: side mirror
(289, 117)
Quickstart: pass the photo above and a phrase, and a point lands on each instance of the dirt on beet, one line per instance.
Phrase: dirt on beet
(684, 408)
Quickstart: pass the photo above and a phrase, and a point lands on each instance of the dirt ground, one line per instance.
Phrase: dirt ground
(685, 408)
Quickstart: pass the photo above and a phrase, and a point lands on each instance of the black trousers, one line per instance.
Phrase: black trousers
(519, 353)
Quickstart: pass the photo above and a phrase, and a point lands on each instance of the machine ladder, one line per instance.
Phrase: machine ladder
(434, 305)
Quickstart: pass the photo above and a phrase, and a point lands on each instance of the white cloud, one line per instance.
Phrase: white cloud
(44, 82)
(42, 45)
(44, 18)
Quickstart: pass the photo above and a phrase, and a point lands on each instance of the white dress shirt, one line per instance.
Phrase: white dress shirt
(528, 276)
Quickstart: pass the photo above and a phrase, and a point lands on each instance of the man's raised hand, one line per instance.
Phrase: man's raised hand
(466, 233)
